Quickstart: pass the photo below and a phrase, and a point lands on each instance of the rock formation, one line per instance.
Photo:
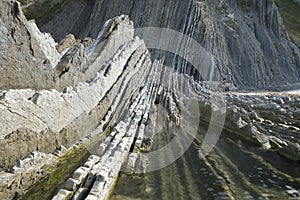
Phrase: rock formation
(20, 51)
(109, 94)
(247, 39)
(45, 119)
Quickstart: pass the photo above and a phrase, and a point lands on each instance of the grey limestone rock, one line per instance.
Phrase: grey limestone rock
(68, 42)
(83, 86)
(246, 39)
(21, 57)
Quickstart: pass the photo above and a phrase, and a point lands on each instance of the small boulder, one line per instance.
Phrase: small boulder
(71, 184)
(68, 42)
(62, 195)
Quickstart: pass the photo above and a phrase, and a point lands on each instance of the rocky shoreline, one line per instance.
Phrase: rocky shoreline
(99, 102)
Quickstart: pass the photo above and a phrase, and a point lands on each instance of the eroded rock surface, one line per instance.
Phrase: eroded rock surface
(45, 119)
(271, 119)
(20, 51)
(247, 39)
(74, 90)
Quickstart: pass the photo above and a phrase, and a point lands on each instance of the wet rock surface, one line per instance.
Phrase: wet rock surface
(270, 119)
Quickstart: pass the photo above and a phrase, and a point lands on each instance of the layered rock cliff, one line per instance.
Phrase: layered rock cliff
(107, 92)
(247, 39)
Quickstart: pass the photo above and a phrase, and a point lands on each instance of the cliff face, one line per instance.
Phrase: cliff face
(72, 93)
(246, 38)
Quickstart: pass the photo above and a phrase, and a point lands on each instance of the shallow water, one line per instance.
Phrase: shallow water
(233, 170)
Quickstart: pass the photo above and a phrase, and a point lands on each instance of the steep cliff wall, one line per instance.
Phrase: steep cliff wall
(246, 38)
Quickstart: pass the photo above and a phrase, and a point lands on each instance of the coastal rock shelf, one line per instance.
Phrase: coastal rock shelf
(271, 119)
(95, 115)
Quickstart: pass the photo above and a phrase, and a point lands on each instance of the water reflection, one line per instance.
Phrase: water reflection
(232, 171)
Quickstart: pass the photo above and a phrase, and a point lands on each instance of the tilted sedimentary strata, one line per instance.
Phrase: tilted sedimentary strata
(238, 34)
(58, 98)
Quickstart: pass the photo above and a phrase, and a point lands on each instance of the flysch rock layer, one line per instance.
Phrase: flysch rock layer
(45, 119)
(50, 109)
(114, 78)
(246, 39)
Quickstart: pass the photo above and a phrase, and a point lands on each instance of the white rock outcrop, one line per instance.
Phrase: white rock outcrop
(50, 109)
(46, 43)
